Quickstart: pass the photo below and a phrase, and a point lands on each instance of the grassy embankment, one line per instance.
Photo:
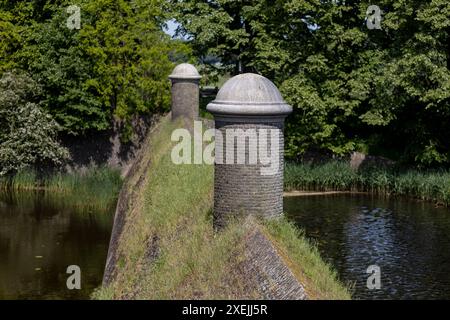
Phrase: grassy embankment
(95, 188)
(339, 176)
(168, 249)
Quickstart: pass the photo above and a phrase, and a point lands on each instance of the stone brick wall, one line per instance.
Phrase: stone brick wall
(185, 99)
(264, 266)
(106, 148)
(241, 188)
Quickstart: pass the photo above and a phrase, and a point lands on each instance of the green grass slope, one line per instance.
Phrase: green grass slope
(168, 249)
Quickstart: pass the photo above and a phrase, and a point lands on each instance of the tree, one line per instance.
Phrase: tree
(352, 88)
(53, 56)
(387, 89)
(114, 68)
(218, 28)
(130, 55)
(9, 40)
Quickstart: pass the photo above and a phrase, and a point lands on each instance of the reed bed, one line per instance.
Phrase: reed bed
(430, 185)
(97, 187)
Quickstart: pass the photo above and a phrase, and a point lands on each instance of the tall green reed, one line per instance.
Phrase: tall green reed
(339, 176)
(96, 187)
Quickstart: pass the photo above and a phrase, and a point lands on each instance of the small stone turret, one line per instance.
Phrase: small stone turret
(185, 91)
(249, 115)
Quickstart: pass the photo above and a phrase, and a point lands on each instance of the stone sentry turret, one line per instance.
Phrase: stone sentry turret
(185, 92)
(249, 112)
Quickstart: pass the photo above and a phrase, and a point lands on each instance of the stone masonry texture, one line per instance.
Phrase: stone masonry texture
(241, 188)
(263, 263)
(185, 99)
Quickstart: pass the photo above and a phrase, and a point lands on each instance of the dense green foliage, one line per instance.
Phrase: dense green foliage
(28, 134)
(385, 92)
(338, 176)
(115, 66)
(381, 91)
(111, 69)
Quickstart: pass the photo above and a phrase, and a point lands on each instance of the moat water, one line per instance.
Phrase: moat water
(408, 240)
(41, 234)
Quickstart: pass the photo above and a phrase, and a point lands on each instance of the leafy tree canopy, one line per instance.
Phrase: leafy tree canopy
(115, 66)
(353, 88)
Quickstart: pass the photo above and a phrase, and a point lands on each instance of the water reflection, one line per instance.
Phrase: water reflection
(40, 235)
(409, 240)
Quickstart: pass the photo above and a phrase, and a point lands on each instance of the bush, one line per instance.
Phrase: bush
(28, 135)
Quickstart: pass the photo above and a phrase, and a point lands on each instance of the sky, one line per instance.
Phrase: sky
(171, 27)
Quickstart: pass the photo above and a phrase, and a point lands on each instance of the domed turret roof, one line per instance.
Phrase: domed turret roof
(185, 71)
(249, 94)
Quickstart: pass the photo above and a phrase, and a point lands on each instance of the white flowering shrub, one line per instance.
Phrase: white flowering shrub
(28, 134)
